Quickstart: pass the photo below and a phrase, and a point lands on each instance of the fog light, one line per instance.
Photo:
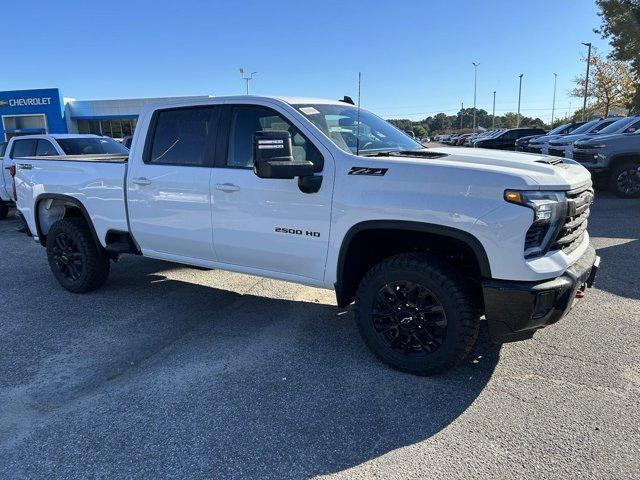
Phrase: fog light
(544, 303)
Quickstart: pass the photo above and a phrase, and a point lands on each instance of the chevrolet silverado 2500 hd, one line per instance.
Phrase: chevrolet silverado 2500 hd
(425, 241)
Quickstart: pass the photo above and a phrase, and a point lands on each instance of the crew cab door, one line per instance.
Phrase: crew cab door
(262, 223)
(168, 184)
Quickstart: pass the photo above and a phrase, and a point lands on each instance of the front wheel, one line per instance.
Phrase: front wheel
(625, 180)
(73, 256)
(417, 314)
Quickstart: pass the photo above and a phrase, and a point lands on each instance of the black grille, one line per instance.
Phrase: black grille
(583, 157)
(533, 149)
(573, 228)
(556, 152)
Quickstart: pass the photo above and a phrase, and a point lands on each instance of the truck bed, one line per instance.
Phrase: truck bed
(96, 181)
(100, 158)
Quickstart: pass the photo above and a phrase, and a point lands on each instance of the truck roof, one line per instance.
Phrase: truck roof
(241, 99)
(57, 135)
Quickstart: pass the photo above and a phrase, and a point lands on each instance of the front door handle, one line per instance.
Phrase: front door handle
(227, 187)
(141, 181)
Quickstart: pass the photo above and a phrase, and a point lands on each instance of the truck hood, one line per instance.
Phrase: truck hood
(604, 138)
(572, 138)
(540, 172)
(544, 139)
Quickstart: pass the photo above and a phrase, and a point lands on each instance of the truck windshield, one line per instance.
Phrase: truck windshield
(340, 124)
(90, 146)
(618, 125)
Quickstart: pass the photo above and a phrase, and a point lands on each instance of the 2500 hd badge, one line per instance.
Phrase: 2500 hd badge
(297, 231)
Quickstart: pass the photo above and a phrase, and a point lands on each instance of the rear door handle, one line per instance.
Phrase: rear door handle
(227, 187)
(141, 181)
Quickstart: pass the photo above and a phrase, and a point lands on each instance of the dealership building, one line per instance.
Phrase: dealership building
(27, 112)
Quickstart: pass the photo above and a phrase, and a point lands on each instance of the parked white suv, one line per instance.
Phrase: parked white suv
(314, 191)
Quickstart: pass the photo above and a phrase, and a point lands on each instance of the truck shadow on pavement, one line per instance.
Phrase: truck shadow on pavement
(198, 381)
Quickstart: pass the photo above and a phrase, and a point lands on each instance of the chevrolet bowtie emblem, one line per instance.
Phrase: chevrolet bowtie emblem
(3, 103)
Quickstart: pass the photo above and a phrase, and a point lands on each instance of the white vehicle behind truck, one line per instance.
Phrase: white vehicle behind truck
(425, 241)
(6, 184)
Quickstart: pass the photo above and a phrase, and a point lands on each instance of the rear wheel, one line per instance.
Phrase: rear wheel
(416, 313)
(625, 180)
(4, 211)
(74, 258)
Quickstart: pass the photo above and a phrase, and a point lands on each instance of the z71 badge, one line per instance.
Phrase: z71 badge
(376, 172)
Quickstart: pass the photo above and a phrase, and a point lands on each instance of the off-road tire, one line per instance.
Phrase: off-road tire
(95, 264)
(449, 288)
(614, 187)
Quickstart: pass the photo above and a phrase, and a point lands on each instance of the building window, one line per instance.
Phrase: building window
(114, 128)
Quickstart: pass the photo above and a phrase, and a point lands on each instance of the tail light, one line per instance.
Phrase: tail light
(12, 172)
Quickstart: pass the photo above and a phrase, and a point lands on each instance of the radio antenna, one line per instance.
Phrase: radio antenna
(358, 124)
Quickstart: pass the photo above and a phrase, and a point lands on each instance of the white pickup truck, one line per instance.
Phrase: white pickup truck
(319, 192)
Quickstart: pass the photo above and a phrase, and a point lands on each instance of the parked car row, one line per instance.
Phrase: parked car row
(609, 148)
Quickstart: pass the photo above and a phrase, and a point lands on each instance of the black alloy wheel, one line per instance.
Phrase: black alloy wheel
(409, 318)
(67, 257)
(628, 181)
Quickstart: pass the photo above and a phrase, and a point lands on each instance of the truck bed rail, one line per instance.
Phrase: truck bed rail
(98, 157)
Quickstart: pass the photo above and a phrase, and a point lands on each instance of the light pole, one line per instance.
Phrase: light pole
(461, 114)
(586, 81)
(493, 123)
(553, 106)
(519, 97)
(247, 77)
(475, 84)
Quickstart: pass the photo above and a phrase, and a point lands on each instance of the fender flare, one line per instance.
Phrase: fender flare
(467, 238)
(67, 199)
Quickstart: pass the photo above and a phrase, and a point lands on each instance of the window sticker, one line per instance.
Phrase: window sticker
(309, 111)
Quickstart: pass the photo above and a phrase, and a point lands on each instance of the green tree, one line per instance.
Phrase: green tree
(419, 131)
(621, 25)
(611, 85)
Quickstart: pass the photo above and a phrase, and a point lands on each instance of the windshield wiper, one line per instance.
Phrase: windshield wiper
(426, 153)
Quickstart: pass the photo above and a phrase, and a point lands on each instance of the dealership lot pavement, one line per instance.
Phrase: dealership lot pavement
(172, 371)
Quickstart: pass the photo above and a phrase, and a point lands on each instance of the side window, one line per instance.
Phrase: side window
(632, 128)
(181, 137)
(23, 148)
(508, 135)
(45, 148)
(247, 120)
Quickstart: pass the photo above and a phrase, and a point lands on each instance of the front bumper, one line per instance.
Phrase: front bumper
(515, 310)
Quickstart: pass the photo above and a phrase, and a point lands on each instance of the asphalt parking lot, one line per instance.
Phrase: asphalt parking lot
(169, 371)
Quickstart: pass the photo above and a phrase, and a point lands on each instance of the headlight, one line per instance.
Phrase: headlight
(599, 145)
(549, 211)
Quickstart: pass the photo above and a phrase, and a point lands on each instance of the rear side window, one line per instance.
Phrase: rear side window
(45, 148)
(3, 147)
(91, 146)
(24, 148)
(182, 136)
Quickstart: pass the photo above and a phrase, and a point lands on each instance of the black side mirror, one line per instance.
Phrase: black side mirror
(272, 157)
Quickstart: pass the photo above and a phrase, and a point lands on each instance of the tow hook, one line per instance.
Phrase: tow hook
(580, 292)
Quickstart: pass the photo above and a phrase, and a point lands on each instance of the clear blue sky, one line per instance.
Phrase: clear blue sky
(415, 56)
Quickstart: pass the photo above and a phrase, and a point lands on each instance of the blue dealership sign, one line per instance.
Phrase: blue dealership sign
(32, 111)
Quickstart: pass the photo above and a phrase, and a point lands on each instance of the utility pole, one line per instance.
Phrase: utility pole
(475, 84)
(493, 123)
(461, 114)
(553, 106)
(586, 81)
(247, 77)
(519, 97)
